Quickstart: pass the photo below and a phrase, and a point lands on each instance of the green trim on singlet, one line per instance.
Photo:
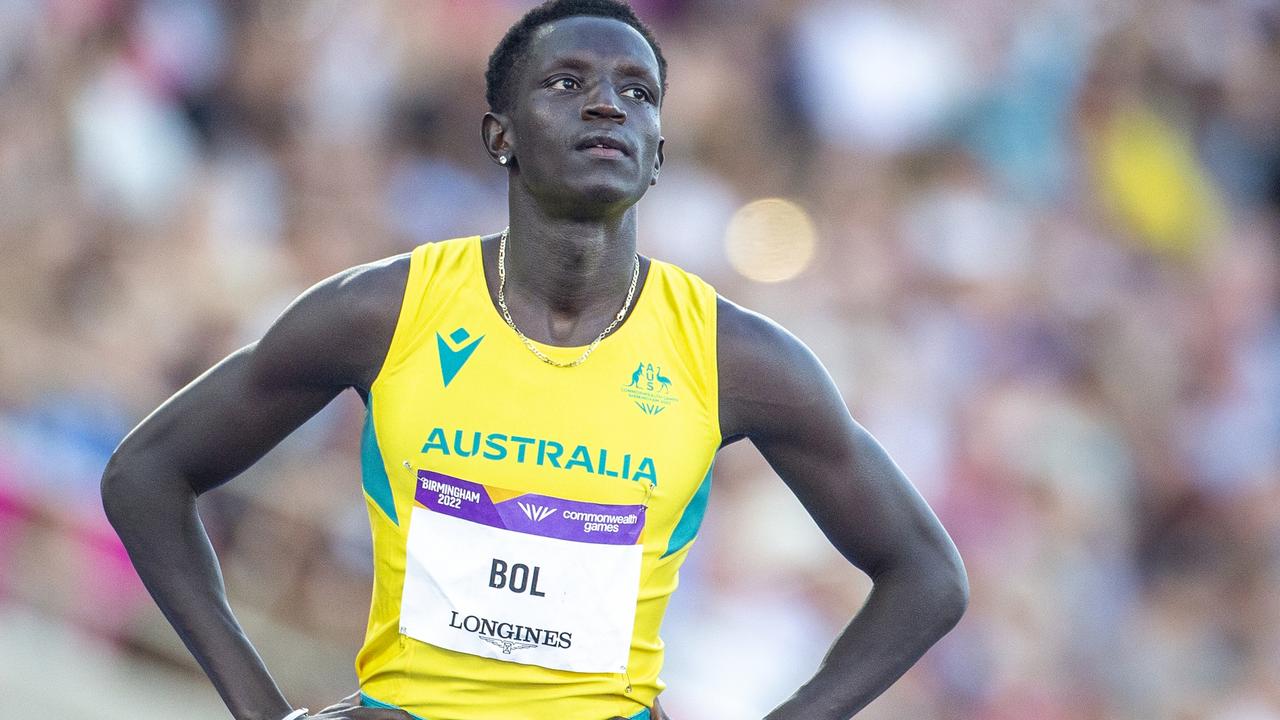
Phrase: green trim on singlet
(367, 701)
(687, 528)
(373, 473)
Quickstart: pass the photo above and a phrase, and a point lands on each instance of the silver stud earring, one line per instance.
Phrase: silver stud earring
(503, 160)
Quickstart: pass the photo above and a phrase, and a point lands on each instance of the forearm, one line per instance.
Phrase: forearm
(156, 519)
(905, 614)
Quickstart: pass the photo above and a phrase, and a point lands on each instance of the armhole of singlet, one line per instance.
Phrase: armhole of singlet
(711, 345)
(410, 307)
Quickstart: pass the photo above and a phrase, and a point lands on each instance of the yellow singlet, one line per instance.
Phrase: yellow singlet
(528, 520)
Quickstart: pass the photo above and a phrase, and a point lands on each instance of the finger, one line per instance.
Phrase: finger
(346, 703)
(338, 712)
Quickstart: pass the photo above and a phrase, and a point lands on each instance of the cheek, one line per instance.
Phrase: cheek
(652, 135)
(650, 154)
(541, 138)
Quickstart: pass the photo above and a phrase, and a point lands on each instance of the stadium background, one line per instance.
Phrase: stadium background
(1035, 242)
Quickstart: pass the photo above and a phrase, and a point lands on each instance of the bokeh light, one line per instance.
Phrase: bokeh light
(770, 240)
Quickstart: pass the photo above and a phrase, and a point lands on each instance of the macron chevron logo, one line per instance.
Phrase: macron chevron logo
(536, 513)
(454, 353)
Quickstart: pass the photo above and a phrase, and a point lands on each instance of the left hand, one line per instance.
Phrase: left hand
(349, 708)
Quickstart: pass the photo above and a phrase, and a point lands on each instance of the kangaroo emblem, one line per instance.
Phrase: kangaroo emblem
(650, 390)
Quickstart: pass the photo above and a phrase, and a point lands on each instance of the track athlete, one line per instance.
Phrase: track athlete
(543, 409)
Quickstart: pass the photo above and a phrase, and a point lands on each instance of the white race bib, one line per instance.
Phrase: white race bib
(522, 578)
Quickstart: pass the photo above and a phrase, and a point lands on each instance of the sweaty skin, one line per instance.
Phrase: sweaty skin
(569, 265)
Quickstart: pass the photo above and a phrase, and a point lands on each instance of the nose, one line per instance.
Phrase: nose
(604, 103)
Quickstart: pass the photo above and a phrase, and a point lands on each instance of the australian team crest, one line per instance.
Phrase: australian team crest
(649, 389)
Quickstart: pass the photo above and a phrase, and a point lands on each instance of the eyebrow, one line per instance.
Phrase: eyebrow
(627, 68)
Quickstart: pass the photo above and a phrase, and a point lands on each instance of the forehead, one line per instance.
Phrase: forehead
(594, 39)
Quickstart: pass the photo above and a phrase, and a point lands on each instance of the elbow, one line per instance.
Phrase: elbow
(948, 590)
(116, 489)
(130, 489)
(954, 597)
(139, 485)
(938, 586)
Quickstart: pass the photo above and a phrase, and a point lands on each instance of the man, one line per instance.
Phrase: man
(543, 409)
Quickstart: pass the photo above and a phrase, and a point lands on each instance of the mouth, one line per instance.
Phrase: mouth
(603, 146)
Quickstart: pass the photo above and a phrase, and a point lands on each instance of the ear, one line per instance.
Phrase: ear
(657, 165)
(498, 138)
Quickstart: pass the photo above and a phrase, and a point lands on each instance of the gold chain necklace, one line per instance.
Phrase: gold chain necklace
(506, 314)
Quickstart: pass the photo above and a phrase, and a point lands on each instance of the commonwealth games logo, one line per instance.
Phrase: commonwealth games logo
(649, 389)
(536, 513)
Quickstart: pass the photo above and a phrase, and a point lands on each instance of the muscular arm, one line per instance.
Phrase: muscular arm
(774, 392)
(334, 336)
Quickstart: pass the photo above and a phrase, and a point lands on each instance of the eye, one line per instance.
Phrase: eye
(565, 83)
(638, 93)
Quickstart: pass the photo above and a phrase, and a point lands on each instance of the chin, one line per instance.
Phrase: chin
(602, 199)
(587, 195)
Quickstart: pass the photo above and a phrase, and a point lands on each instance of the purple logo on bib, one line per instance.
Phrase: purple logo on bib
(531, 513)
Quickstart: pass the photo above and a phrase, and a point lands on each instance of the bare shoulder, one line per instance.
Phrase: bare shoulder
(338, 331)
(739, 328)
(368, 295)
(767, 374)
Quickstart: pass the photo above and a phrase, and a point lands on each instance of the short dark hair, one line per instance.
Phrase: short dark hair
(505, 62)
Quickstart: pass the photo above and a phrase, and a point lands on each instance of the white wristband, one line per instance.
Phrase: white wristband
(300, 712)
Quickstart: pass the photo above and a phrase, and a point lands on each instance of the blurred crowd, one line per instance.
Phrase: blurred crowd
(1045, 277)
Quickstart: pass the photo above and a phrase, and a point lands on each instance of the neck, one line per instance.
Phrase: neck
(568, 267)
(566, 277)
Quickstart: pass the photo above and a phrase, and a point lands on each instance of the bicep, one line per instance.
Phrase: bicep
(776, 393)
(853, 490)
(332, 337)
(226, 419)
